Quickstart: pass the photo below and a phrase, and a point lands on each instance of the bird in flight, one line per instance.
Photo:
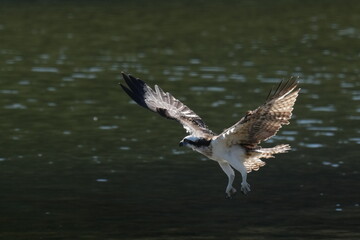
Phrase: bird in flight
(236, 147)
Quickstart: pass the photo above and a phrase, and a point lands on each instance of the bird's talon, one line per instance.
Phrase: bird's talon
(245, 188)
(231, 193)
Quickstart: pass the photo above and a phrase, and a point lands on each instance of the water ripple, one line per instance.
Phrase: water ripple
(329, 108)
(83, 75)
(5, 91)
(237, 77)
(45, 69)
(309, 121)
(335, 165)
(212, 69)
(323, 128)
(108, 127)
(312, 145)
(195, 61)
(15, 106)
(356, 139)
(218, 103)
(207, 89)
(124, 148)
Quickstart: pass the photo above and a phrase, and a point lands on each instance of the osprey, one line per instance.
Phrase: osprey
(236, 147)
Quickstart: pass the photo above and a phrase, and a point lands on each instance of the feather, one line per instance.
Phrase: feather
(165, 105)
(265, 121)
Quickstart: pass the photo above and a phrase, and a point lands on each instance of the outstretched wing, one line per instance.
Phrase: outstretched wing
(264, 122)
(165, 104)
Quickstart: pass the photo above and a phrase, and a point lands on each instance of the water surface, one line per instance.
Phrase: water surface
(79, 160)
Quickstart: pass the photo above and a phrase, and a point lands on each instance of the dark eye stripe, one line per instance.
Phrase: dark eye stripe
(202, 143)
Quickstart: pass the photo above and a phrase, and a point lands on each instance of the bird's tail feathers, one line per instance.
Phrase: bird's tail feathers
(269, 152)
(252, 161)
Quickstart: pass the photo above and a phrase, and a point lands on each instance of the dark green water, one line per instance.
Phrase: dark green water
(79, 161)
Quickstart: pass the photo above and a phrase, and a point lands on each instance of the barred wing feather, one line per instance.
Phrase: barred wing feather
(165, 104)
(265, 121)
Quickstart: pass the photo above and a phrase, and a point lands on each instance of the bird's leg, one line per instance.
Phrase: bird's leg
(245, 187)
(239, 166)
(230, 191)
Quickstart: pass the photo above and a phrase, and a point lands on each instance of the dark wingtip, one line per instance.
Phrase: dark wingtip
(125, 76)
(122, 86)
(135, 89)
(129, 92)
(282, 87)
(294, 80)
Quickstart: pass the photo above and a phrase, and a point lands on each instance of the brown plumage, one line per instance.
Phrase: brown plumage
(265, 121)
(238, 146)
(252, 160)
